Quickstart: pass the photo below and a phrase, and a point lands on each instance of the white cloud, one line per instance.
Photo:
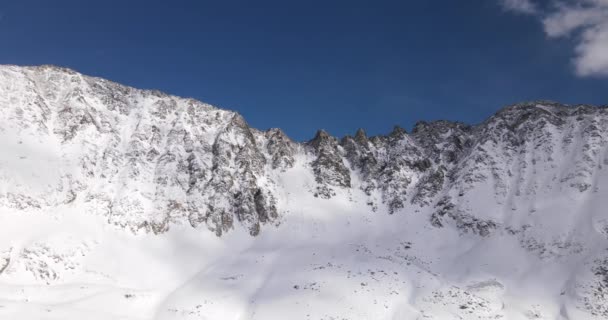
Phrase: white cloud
(586, 21)
(567, 19)
(519, 6)
(592, 51)
(583, 21)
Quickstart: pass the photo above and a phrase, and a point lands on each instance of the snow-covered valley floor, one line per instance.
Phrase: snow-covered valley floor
(325, 260)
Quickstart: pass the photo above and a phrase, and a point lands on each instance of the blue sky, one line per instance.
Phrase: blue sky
(336, 65)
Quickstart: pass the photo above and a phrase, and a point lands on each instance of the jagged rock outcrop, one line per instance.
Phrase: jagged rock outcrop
(328, 167)
(281, 149)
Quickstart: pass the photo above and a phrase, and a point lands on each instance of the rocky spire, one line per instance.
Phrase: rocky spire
(328, 167)
(361, 136)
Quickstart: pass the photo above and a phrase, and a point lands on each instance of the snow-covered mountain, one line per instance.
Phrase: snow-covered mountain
(119, 203)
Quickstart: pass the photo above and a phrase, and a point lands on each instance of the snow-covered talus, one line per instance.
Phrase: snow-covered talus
(169, 208)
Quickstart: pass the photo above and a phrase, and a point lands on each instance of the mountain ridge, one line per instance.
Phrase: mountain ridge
(160, 91)
(500, 219)
(329, 167)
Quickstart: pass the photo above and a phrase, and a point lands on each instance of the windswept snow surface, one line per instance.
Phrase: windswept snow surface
(117, 203)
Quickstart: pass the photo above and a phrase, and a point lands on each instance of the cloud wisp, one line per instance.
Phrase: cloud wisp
(583, 21)
(519, 6)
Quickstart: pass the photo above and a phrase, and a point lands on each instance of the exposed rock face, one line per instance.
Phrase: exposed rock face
(328, 167)
(146, 160)
(280, 148)
(141, 158)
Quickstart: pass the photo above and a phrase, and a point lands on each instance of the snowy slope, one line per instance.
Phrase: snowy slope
(119, 203)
